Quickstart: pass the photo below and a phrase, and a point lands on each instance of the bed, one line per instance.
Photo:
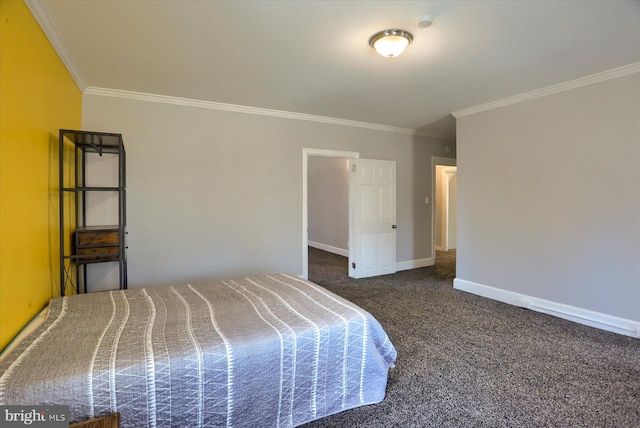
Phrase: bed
(267, 351)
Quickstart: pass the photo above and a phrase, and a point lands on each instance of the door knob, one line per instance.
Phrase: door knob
(394, 227)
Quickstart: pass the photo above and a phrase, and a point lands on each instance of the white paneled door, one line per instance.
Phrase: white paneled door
(373, 231)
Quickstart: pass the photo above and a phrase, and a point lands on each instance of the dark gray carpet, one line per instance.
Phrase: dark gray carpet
(467, 361)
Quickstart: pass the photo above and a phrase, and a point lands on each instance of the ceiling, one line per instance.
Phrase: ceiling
(313, 57)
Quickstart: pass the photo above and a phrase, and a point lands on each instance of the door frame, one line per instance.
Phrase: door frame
(436, 160)
(306, 154)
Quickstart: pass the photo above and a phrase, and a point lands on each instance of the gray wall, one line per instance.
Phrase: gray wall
(328, 199)
(549, 197)
(214, 194)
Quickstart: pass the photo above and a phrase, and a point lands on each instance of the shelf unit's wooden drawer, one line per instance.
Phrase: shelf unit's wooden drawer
(97, 244)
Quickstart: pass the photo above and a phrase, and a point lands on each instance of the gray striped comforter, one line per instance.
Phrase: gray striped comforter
(271, 351)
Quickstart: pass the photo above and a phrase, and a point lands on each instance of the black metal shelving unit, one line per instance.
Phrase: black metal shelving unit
(89, 243)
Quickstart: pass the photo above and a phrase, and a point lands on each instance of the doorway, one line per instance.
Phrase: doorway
(306, 155)
(372, 213)
(444, 208)
(328, 215)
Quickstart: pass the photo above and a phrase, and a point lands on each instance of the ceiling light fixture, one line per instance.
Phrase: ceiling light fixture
(390, 43)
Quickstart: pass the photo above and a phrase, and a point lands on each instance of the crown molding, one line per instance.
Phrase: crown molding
(433, 135)
(212, 105)
(553, 89)
(42, 17)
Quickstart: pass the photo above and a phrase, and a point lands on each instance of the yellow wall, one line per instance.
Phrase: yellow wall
(37, 98)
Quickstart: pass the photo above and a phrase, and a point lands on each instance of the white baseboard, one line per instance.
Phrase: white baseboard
(329, 248)
(571, 313)
(414, 264)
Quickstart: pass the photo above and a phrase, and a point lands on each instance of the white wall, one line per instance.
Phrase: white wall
(102, 209)
(549, 199)
(214, 194)
(328, 199)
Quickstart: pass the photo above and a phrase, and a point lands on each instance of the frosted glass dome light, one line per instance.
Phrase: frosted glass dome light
(390, 43)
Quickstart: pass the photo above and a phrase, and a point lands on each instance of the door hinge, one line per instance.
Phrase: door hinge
(353, 168)
(353, 265)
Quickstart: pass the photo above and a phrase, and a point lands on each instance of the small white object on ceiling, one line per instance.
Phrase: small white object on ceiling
(425, 21)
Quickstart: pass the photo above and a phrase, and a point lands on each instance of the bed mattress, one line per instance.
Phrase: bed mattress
(267, 351)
